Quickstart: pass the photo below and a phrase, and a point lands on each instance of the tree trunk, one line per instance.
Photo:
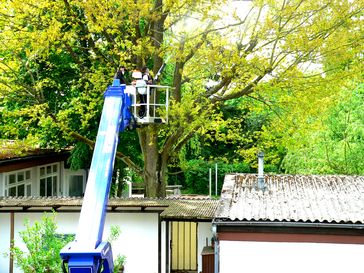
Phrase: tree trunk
(155, 176)
(155, 165)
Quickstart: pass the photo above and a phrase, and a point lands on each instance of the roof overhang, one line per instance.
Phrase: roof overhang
(17, 163)
(288, 227)
(168, 209)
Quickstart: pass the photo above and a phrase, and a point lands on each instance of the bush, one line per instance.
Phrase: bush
(197, 175)
(120, 260)
(43, 247)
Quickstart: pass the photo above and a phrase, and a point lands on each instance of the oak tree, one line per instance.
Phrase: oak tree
(57, 57)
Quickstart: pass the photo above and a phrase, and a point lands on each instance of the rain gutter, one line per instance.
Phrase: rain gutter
(286, 224)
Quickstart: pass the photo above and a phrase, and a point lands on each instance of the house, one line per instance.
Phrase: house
(290, 223)
(168, 233)
(40, 172)
(158, 235)
(275, 223)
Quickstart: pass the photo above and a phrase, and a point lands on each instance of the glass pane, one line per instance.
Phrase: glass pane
(27, 175)
(21, 177)
(12, 191)
(42, 187)
(49, 186)
(6, 192)
(21, 190)
(54, 193)
(75, 185)
(49, 169)
(29, 190)
(12, 179)
(42, 171)
(54, 168)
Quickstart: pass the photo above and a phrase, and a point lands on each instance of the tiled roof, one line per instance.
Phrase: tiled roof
(12, 155)
(293, 198)
(191, 209)
(14, 149)
(175, 208)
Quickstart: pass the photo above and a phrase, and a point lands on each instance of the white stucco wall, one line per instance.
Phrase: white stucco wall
(4, 241)
(138, 240)
(163, 248)
(238, 256)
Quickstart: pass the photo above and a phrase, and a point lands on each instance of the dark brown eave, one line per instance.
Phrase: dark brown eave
(289, 227)
(340, 237)
(42, 158)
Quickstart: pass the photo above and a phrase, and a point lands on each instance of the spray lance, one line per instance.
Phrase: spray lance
(156, 77)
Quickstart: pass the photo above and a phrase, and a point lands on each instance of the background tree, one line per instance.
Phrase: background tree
(337, 145)
(58, 57)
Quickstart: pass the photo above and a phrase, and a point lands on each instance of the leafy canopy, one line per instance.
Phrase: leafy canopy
(57, 57)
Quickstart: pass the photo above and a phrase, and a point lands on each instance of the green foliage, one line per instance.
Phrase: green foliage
(237, 137)
(196, 174)
(57, 58)
(80, 156)
(120, 260)
(337, 147)
(42, 246)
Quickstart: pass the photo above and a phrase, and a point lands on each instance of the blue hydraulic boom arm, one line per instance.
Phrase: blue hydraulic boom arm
(87, 253)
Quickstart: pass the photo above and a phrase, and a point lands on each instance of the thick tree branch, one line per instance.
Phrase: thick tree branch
(119, 155)
(249, 88)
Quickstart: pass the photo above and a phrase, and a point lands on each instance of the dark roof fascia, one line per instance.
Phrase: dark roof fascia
(71, 210)
(186, 219)
(9, 161)
(281, 224)
(18, 163)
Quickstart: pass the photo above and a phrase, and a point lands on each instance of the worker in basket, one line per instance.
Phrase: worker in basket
(140, 81)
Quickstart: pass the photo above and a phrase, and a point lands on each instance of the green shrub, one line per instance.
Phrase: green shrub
(120, 260)
(43, 246)
(197, 175)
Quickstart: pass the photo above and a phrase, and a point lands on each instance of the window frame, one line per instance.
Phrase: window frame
(27, 182)
(68, 174)
(52, 177)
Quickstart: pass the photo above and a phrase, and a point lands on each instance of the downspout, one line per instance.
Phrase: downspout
(167, 243)
(11, 260)
(216, 248)
(159, 243)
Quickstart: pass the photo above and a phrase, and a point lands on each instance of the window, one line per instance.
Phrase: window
(18, 183)
(75, 185)
(48, 176)
(75, 182)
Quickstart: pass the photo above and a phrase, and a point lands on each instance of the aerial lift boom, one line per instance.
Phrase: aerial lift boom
(87, 253)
